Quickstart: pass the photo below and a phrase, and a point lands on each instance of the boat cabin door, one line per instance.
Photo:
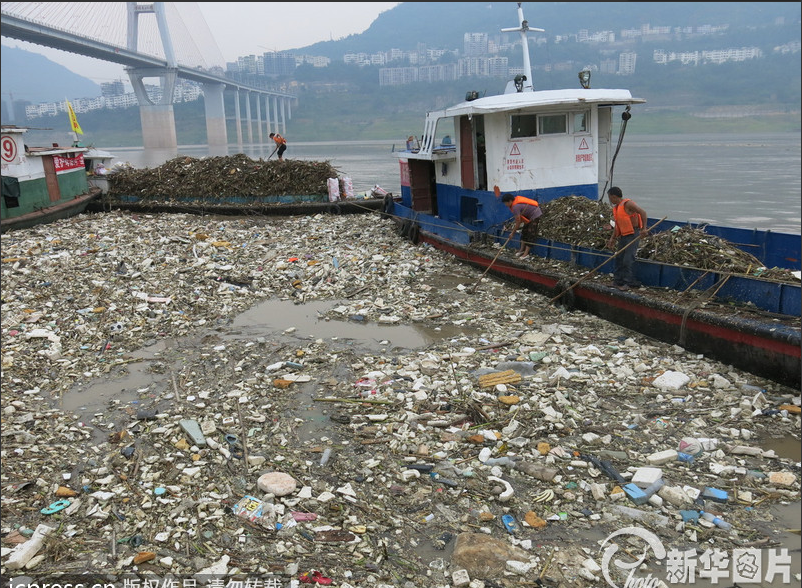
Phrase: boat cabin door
(51, 180)
(473, 166)
(423, 186)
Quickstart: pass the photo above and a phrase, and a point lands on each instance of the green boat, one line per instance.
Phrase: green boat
(41, 184)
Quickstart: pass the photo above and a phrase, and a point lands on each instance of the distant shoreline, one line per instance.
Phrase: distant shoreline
(644, 121)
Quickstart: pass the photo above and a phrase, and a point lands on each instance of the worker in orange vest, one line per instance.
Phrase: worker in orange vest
(527, 214)
(630, 225)
(281, 145)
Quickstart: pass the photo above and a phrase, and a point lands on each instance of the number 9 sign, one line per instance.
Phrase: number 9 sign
(9, 149)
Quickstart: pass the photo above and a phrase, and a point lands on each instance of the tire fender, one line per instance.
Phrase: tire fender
(403, 228)
(387, 206)
(414, 233)
(565, 292)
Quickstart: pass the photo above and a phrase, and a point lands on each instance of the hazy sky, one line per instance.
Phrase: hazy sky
(246, 28)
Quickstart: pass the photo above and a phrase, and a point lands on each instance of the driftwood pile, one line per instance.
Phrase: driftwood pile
(219, 177)
(586, 223)
(576, 220)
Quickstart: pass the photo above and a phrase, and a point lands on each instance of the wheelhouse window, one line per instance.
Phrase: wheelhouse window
(523, 125)
(581, 122)
(552, 124)
(532, 125)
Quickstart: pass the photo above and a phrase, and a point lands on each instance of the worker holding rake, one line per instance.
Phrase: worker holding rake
(527, 215)
(281, 145)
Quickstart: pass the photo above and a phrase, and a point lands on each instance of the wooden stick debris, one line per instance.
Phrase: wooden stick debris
(503, 247)
(352, 400)
(175, 388)
(494, 345)
(243, 433)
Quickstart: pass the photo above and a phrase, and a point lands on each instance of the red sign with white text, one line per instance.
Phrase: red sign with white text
(63, 164)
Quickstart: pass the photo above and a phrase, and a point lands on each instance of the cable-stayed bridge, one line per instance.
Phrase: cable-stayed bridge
(161, 40)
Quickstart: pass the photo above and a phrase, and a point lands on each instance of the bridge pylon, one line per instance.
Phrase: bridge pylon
(158, 119)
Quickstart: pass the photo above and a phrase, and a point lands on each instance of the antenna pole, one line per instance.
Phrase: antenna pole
(523, 28)
(525, 44)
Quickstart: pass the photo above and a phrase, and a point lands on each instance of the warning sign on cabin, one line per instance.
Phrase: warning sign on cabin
(583, 152)
(514, 160)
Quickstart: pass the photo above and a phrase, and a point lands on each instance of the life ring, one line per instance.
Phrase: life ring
(564, 294)
(414, 233)
(387, 206)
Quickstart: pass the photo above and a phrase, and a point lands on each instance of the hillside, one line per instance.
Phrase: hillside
(51, 81)
(345, 102)
(443, 24)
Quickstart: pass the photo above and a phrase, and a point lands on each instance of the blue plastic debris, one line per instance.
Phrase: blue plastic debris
(509, 523)
(715, 495)
(56, 506)
(635, 494)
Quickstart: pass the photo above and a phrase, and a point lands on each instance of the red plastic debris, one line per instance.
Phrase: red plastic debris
(315, 577)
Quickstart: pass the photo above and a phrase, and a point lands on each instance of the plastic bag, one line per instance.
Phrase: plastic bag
(348, 188)
(334, 189)
(378, 191)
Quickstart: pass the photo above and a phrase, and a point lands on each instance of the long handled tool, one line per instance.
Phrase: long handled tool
(271, 155)
(595, 269)
(503, 247)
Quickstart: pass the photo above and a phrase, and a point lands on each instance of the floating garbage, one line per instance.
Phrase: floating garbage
(465, 424)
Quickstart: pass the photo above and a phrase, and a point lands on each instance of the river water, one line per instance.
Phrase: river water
(750, 181)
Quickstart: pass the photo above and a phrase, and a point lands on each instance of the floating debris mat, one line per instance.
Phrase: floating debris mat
(223, 178)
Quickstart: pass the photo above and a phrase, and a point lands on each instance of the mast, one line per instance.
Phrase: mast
(523, 28)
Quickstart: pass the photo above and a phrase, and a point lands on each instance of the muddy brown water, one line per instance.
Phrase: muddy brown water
(146, 376)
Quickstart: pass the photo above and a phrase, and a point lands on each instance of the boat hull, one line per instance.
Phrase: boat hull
(767, 348)
(62, 210)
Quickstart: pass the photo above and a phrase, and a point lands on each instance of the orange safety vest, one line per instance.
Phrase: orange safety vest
(625, 222)
(279, 139)
(524, 200)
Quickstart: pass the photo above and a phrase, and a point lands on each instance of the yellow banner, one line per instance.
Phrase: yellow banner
(73, 119)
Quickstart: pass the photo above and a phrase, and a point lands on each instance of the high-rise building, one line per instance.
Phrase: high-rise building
(279, 63)
(626, 63)
(114, 88)
(474, 44)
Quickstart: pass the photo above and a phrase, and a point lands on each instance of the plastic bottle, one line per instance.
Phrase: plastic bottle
(637, 514)
(324, 459)
(504, 460)
(715, 520)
